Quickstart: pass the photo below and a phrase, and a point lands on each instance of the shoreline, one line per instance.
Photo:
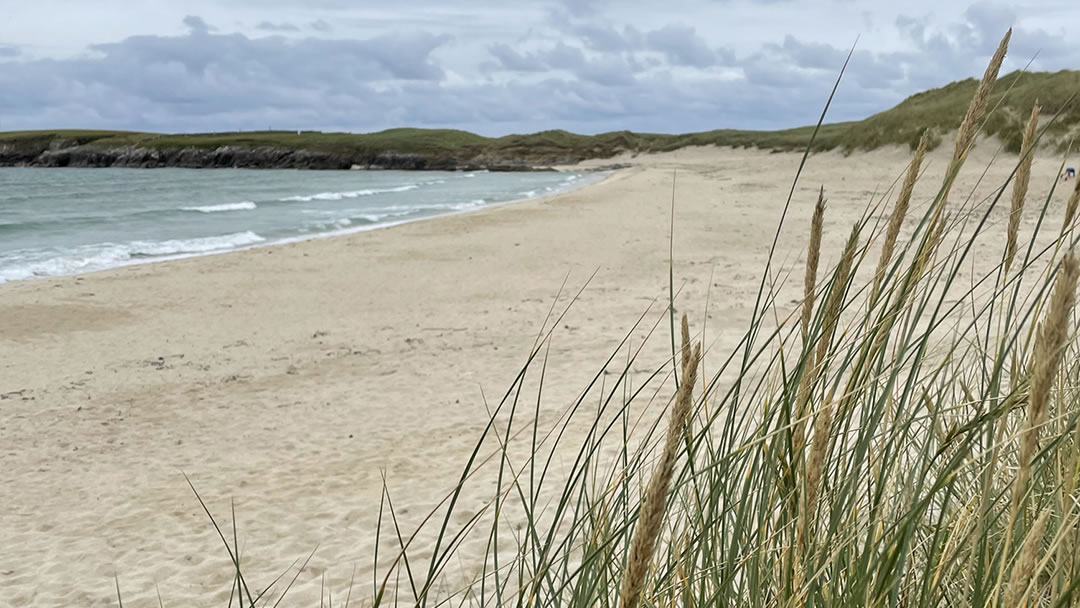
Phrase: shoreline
(403, 149)
(592, 177)
(371, 168)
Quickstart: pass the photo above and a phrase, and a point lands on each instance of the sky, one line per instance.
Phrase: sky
(498, 66)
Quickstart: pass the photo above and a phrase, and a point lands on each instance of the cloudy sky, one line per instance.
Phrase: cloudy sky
(497, 66)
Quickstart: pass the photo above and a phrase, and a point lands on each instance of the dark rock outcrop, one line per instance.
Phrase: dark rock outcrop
(201, 158)
(57, 152)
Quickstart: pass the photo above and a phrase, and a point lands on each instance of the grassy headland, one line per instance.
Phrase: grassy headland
(937, 110)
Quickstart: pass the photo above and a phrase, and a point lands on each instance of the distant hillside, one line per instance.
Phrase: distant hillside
(391, 149)
(941, 110)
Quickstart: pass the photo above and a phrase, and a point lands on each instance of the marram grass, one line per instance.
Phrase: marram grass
(909, 440)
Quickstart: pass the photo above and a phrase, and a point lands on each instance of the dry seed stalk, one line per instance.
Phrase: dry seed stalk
(836, 294)
(815, 367)
(1023, 571)
(965, 136)
(970, 125)
(896, 220)
(814, 469)
(651, 517)
(1072, 476)
(1020, 186)
(1070, 207)
(813, 256)
(936, 234)
(832, 315)
(1066, 558)
(1046, 359)
(815, 465)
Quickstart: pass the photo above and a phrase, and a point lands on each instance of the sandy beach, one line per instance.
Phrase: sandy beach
(290, 378)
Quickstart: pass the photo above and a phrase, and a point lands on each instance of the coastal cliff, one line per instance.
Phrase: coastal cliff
(58, 151)
(403, 149)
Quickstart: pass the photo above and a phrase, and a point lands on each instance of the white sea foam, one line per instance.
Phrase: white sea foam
(243, 206)
(337, 196)
(330, 224)
(331, 218)
(477, 202)
(317, 215)
(375, 216)
(23, 264)
(199, 245)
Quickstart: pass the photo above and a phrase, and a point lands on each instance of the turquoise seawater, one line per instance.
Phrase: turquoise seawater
(66, 221)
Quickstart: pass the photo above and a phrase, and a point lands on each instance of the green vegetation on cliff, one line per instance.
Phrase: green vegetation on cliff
(940, 110)
(936, 109)
(545, 147)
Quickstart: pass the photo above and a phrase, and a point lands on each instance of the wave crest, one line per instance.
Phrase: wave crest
(243, 206)
(18, 265)
(337, 196)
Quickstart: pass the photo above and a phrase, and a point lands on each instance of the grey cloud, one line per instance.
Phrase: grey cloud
(608, 71)
(681, 45)
(320, 26)
(986, 23)
(961, 49)
(813, 54)
(607, 38)
(510, 59)
(559, 57)
(403, 56)
(268, 26)
(767, 70)
(1049, 51)
(564, 57)
(211, 79)
(605, 70)
(558, 18)
(197, 25)
(881, 71)
(9, 51)
(813, 65)
(581, 8)
(913, 28)
(939, 54)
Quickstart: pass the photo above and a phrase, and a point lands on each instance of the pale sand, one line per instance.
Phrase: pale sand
(287, 377)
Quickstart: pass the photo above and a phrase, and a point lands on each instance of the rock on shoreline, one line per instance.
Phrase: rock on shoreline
(59, 153)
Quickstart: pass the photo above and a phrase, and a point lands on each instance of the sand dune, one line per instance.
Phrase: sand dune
(289, 378)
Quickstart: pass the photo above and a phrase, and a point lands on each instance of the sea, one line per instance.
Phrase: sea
(56, 222)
